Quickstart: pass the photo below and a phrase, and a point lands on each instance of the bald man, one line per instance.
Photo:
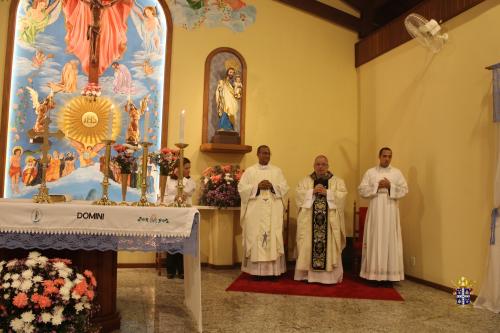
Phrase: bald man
(320, 225)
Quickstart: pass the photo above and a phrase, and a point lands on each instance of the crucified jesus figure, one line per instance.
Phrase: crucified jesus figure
(94, 29)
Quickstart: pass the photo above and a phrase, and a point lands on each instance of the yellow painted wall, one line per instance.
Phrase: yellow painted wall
(301, 92)
(435, 111)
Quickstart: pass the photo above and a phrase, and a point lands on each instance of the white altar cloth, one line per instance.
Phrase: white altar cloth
(23, 220)
(23, 216)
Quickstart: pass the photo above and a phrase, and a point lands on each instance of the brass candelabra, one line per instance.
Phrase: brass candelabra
(143, 201)
(105, 201)
(180, 198)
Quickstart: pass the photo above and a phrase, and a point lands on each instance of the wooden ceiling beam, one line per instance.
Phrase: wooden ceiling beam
(326, 12)
(362, 5)
(356, 4)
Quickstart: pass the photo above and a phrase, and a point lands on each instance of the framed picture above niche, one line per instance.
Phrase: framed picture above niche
(224, 102)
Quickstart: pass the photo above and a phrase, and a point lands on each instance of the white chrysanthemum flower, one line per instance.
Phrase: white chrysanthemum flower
(15, 276)
(6, 296)
(79, 277)
(75, 295)
(57, 315)
(27, 274)
(58, 310)
(11, 263)
(59, 265)
(17, 324)
(28, 328)
(46, 317)
(6, 277)
(15, 284)
(34, 255)
(37, 279)
(5, 285)
(3, 262)
(25, 285)
(68, 283)
(63, 273)
(28, 317)
(78, 307)
(56, 319)
(65, 290)
(30, 262)
(87, 306)
(42, 261)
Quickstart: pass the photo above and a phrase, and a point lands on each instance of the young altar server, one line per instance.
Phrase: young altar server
(175, 264)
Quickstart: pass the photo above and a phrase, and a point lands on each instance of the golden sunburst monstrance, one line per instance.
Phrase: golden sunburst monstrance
(88, 121)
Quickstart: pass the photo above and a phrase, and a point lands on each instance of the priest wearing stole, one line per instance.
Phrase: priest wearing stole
(384, 185)
(320, 225)
(262, 189)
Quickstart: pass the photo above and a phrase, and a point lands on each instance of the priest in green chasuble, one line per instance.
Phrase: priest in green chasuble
(262, 190)
(320, 225)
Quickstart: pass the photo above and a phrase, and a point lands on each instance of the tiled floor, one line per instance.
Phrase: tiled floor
(149, 303)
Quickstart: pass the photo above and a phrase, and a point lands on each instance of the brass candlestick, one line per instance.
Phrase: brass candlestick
(180, 199)
(105, 201)
(143, 201)
(43, 191)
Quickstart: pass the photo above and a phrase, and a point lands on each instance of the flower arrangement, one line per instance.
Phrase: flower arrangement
(165, 159)
(92, 90)
(45, 295)
(124, 158)
(219, 186)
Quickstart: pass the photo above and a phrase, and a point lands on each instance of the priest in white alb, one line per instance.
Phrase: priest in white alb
(383, 185)
(262, 190)
(320, 225)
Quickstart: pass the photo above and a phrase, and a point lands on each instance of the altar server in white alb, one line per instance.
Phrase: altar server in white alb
(262, 190)
(175, 262)
(320, 225)
(384, 185)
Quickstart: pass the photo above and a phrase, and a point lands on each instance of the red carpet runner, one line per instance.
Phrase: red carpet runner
(351, 287)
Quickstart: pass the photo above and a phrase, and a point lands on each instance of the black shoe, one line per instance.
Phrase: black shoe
(170, 276)
(181, 276)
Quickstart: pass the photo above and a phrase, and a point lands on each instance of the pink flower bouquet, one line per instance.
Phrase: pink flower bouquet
(219, 186)
(45, 295)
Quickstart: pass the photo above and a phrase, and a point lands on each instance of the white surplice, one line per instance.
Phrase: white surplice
(171, 190)
(262, 220)
(335, 197)
(382, 258)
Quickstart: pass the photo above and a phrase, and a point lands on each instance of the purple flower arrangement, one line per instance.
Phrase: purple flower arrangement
(219, 186)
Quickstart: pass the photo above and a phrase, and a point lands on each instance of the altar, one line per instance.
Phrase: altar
(90, 235)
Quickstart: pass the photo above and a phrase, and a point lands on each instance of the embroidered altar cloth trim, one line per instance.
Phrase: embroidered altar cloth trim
(81, 217)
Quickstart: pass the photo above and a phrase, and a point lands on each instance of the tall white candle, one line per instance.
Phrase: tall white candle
(110, 123)
(181, 126)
